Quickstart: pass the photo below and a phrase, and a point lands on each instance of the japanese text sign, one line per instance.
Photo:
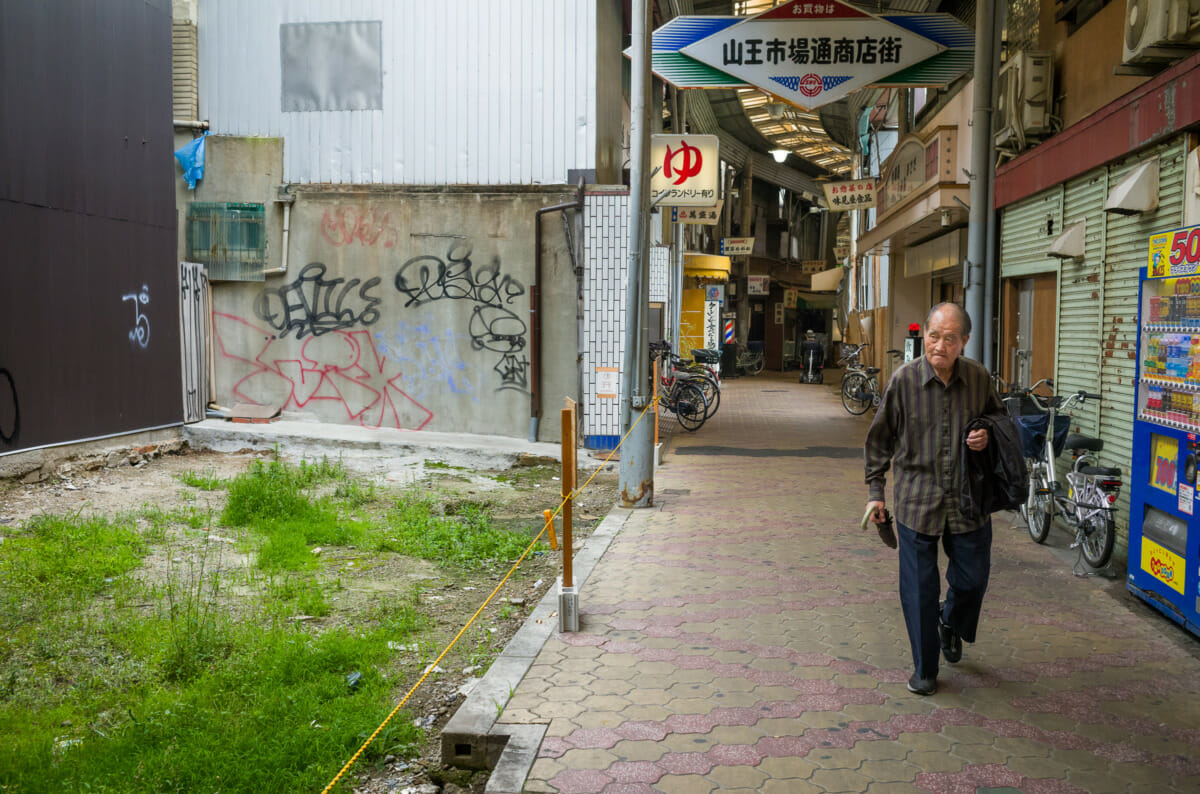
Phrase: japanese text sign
(737, 246)
(1175, 253)
(704, 215)
(858, 194)
(687, 170)
(758, 285)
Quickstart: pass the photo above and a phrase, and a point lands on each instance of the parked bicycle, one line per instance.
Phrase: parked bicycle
(860, 385)
(1086, 504)
(681, 392)
(749, 362)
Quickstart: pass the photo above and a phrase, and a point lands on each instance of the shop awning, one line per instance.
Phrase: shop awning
(828, 280)
(706, 266)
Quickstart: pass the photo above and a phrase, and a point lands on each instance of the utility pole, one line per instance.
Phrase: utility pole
(636, 473)
(981, 154)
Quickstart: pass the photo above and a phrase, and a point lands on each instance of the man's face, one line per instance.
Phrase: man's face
(944, 339)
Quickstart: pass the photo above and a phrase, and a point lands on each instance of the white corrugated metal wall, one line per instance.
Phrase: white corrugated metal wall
(474, 92)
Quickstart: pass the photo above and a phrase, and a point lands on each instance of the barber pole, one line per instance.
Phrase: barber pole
(728, 331)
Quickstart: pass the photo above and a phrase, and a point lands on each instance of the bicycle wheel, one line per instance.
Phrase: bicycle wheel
(1040, 510)
(756, 365)
(1098, 535)
(711, 391)
(690, 408)
(856, 393)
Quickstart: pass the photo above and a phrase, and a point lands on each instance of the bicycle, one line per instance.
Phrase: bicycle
(699, 371)
(860, 385)
(680, 395)
(749, 362)
(1086, 504)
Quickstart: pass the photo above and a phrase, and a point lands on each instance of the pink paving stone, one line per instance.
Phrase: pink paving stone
(624, 624)
(969, 779)
(629, 788)
(735, 755)
(643, 731)
(689, 723)
(1049, 786)
(657, 654)
(553, 747)
(736, 716)
(599, 738)
(636, 772)
(785, 746)
(580, 781)
(695, 662)
(621, 646)
(686, 763)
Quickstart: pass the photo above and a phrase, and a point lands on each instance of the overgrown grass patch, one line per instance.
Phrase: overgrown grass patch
(415, 528)
(202, 482)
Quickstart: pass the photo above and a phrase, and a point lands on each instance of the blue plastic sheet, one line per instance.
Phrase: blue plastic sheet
(191, 157)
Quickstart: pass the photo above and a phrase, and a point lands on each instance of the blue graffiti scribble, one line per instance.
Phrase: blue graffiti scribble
(428, 358)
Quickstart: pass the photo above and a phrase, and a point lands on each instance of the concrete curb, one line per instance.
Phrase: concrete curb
(472, 738)
(316, 439)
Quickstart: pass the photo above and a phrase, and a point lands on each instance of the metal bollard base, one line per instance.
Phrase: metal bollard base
(568, 608)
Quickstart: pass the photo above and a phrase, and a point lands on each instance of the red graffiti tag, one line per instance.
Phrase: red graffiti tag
(344, 225)
(692, 161)
(339, 368)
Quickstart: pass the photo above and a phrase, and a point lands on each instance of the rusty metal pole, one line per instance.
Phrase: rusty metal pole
(568, 594)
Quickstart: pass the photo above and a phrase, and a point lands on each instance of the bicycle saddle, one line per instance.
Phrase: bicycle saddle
(872, 370)
(1084, 442)
(1102, 471)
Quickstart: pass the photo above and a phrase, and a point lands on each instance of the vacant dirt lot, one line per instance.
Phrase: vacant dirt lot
(514, 498)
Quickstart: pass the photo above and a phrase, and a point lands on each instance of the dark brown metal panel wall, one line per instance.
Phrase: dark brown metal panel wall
(89, 293)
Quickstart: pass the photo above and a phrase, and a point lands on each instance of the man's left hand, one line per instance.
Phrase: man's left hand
(977, 439)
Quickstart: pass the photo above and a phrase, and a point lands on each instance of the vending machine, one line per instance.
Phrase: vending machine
(1164, 530)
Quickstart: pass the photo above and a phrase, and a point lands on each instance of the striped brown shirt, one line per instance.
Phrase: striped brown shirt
(919, 426)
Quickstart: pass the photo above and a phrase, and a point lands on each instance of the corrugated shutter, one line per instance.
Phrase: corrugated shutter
(1126, 252)
(1077, 360)
(1026, 231)
(184, 70)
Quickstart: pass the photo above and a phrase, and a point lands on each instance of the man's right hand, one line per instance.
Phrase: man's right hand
(876, 509)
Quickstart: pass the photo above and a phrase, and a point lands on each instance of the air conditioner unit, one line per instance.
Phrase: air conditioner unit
(1160, 30)
(1024, 98)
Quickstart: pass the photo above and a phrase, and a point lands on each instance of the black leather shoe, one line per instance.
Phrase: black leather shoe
(922, 686)
(951, 642)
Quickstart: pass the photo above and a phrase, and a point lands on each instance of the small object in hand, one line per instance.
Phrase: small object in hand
(886, 532)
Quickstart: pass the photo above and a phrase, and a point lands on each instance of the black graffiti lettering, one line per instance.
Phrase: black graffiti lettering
(10, 409)
(513, 372)
(315, 305)
(426, 278)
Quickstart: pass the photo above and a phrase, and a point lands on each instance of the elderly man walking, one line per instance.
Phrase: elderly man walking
(919, 427)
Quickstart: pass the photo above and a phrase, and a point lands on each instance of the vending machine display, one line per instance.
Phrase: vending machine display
(1164, 532)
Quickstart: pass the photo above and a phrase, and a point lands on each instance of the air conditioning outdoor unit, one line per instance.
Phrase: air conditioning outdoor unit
(1024, 98)
(1160, 30)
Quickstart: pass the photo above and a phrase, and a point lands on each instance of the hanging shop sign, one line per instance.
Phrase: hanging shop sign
(737, 246)
(810, 266)
(715, 292)
(857, 194)
(758, 285)
(706, 216)
(789, 298)
(687, 167)
(841, 252)
(811, 53)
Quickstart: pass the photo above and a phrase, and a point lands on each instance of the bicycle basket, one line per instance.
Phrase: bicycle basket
(1032, 429)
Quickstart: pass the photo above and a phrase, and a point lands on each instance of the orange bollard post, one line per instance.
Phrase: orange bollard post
(547, 517)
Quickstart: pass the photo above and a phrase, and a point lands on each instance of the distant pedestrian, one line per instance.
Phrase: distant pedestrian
(919, 427)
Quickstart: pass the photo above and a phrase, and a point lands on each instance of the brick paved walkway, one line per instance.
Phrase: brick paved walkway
(744, 635)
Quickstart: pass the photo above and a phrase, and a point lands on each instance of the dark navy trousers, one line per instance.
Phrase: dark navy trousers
(970, 562)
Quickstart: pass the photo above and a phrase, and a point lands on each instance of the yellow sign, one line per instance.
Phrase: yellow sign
(1174, 253)
(1164, 463)
(1163, 564)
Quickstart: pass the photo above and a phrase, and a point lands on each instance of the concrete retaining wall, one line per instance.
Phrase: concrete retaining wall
(401, 307)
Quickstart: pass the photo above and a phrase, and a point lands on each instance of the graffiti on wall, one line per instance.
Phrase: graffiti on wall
(493, 325)
(10, 409)
(366, 226)
(340, 371)
(313, 304)
(140, 333)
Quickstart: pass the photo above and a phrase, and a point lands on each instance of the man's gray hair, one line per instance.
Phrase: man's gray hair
(964, 319)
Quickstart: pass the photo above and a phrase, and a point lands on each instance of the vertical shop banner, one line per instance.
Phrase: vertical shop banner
(712, 325)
